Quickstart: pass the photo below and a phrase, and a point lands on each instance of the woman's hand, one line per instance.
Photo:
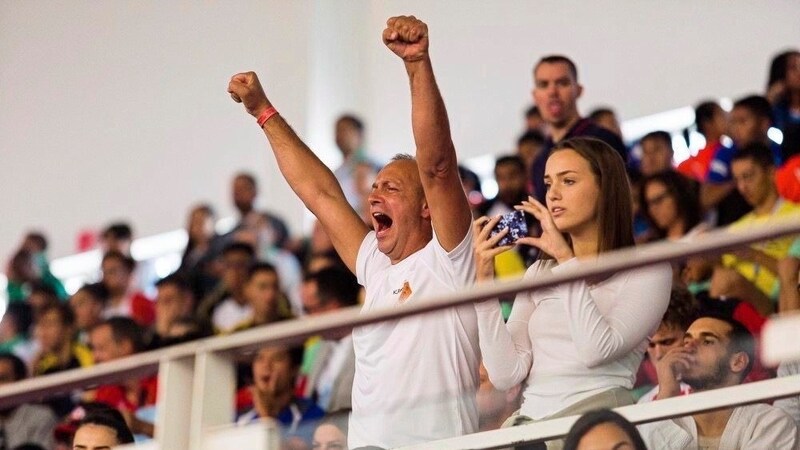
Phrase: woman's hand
(485, 247)
(551, 240)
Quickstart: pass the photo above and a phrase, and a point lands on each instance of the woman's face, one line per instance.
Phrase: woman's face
(661, 205)
(606, 436)
(201, 225)
(572, 192)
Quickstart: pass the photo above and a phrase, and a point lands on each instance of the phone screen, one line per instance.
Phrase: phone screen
(517, 227)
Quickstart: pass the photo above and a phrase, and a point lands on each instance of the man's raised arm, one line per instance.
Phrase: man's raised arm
(407, 37)
(310, 179)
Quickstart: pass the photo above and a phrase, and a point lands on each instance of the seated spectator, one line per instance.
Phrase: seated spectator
(26, 423)
(605, 117)
(529, 145)
(534, 120)
(331, 359)
(495, 406)
(123, 299)
(671, 206)
(173, 300)
(264, 296)
(790, 404)
(29, 264)
(88, 304)
(357, 170)
(783, 89)
(113, 339)
(14, 328)
(198, 256)
(41, 296)
(330, 435)
(717, 352)
(58, 350)
(681, 312)
(117, 237)
(712, 122)
(275, 372)
(226, 306)
(101, 430)
(603, 429)
(657, 153)
(509, 172)
(751, 273)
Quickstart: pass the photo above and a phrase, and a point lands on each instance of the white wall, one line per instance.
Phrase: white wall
(118, 109)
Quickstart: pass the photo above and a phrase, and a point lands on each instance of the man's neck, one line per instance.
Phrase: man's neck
(767, 206)
(557, 133)
(712, 424)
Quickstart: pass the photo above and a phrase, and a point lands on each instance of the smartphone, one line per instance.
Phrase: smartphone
(516, 224)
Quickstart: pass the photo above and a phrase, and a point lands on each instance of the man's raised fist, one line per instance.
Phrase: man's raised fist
(407, 37)
(245, 88)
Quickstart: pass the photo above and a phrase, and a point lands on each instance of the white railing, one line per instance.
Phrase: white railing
(197, 380)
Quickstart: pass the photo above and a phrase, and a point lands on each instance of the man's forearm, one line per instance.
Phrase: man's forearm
(308, 177)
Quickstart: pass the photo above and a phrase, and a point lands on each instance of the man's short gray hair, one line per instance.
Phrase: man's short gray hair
(403, 157)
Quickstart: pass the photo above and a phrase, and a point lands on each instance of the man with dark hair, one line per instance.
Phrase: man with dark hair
(27, 423)
(605, 117)
(751, 118)
(275, 371)
(717, 352)
(556, 91)
(88, 303)
(244, 191)
(534, 121)
(102, 430)
(174, 300)
(509, 172)
(123, 299)
(529, 145)
(14, 328)
(357, 170)
(226, 306)
(751, 273)
(712, 122)
(401, 262)
(657, 152)
(681, 312)
(118, 237)
(113, 339)
(329, 380)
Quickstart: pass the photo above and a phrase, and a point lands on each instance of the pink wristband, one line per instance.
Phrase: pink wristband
(266, 115)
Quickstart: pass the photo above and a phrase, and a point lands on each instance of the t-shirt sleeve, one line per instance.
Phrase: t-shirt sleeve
(599, 336)
(461, 258)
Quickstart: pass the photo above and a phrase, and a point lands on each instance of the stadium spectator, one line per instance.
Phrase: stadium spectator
(88, 303)
(671, 206)
(123, 299)
(174, 300)
(605, 117)
(101, 430)
(27, 423)
(657, 153)
(263, 294)
(226, 306)
(603, 429)
(357, 170)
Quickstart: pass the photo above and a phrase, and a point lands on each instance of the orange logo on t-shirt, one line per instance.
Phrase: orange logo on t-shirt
(405, 292)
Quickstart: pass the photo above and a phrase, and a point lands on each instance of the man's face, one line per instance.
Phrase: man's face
(746, 127)
(556, 92)
(656, 156)
(348, 137)
(244, 194)
(172, 303)
(94, 437)
(50, 332)
(105, 347)
(398, 210)
(234, 274)
(308, 295)
(511, 182)
(665, 339)
(116, 276)
(273, 372)
(261, 291)
(707, 340)
(87, 309)
(754, 182)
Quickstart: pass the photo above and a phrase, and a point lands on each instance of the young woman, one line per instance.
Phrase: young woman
(671, 205)
(577, 345)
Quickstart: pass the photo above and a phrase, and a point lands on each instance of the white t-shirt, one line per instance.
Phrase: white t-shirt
(416, 377)
(229, 314)
(574, 340)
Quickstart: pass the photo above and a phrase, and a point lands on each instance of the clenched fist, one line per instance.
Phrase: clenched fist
(245, 88)
(407, 37)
